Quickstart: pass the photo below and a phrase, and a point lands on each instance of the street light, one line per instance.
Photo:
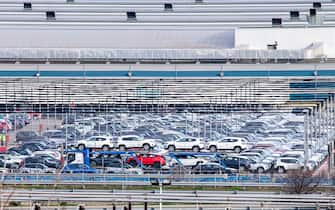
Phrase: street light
(160, 182)
(306, 146)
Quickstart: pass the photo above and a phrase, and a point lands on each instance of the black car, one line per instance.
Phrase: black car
(19, 151)
(33, 146)
(50, 162)
(104, 160)
(211, 168)
(25, 136)
(235, 162)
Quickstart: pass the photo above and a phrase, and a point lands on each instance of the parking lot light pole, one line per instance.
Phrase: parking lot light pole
(160, 195)
(160, 182)
(306, 113)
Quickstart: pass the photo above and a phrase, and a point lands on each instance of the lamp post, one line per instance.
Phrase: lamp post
(160, 182)
(306, 119)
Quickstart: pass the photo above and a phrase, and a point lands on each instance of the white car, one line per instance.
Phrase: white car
(52, 153)
(294, 154)
(187, 160)
(101, 142)
(11, 160)
(125, 170)
(185, 143)
(56, 136)
(284, 164)
(259, 167)
(36, 168)
(134, 141)
(118, 167)
(236, 144)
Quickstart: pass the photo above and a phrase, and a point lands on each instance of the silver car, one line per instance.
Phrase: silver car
(36, 168)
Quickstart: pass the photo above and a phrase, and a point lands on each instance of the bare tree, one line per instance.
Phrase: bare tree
(302, 181)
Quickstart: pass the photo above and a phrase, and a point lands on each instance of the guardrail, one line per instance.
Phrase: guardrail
(182, 197)
(126, 179)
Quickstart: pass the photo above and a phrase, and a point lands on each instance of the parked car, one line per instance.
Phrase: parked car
(79, 168)
(118, 167)
(48, 161)
(12, 161)
(284, 164)
(259, 166)
(33, 146)
(33, 168)
(5, 164)
(236, 144)
(57, 136)
(101, 142)
(212, 168)
(187, 160)
(104, 160)
(18, 151)
(26, 136)
(236, 162)
(185, 143)
(134, 141)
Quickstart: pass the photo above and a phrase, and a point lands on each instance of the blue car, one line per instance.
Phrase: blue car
(79, 168)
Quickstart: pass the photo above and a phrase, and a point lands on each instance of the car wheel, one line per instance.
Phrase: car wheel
(146, 147)
(157, 165)
(237, 149)
(81, 147)
(281, 170)
(212, 148)
(195, 149)
(105, 148)
(260, 170)
(171, 148)
(122, 148)
(133, 163)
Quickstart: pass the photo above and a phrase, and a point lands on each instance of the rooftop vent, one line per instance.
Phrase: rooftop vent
(294, 15)
(313, 18)
(168, 7)
(131, 16)
(27, 5)
(276, 21)
(50, 15)
(317, 5)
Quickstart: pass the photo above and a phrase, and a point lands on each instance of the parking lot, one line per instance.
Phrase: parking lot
(161, 143)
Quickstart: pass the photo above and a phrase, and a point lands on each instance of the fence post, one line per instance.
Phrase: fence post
(145, 205)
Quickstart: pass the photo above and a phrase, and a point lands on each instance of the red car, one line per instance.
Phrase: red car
(153, 160)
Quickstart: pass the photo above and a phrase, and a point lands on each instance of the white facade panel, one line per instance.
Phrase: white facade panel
(287, 38)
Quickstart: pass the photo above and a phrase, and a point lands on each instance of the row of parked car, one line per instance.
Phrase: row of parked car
(206, 143)
(9, 122)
